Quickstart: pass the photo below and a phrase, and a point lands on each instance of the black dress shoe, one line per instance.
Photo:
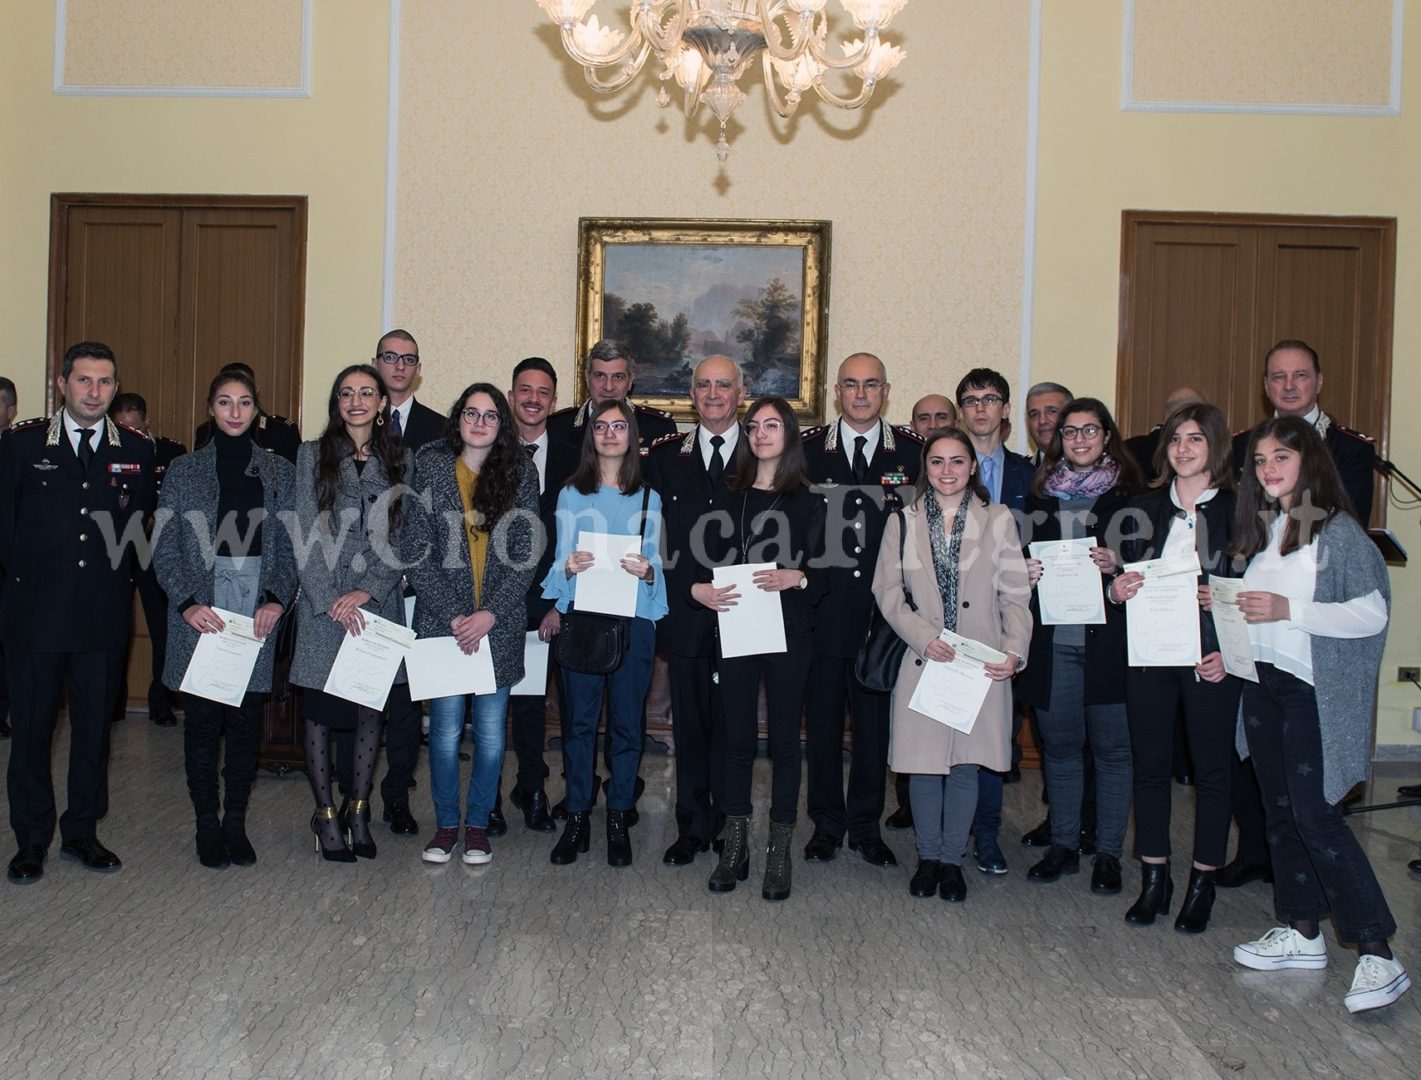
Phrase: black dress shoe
(1239, 873)
(497, 823)
(92, 854)
(27, 865)
(684, 851)
(874, 851)
(1105, 878)
(902, 818)
(953, 887)
(211, 848)
(1406, 791)
(1414, 866)
(402, 822)
(1058, 861)
(926, 878)
(822, 847)
(1039, 836)
(164, 719)
(535, 809)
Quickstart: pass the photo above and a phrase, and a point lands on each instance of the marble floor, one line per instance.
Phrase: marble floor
(397, 969)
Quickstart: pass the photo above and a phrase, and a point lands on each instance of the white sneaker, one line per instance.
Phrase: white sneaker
(1378, 982)
(1280, 948)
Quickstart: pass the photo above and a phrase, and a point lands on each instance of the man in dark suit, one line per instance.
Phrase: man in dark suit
(859, 463)
(269, 431)
(73, 493)
(533, 396)
(1044, 403)
(983, 401)
(397, 360)
(688, 472)
(1292, 381)
(1144, 447)
(131, 411)
(609, 375)
(9, 406)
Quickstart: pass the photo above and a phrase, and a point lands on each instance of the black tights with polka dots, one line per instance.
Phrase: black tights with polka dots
(318, 771)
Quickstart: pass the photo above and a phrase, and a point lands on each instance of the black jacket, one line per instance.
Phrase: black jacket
(856, 515)
(561, 464)
(425, 426)
(1104, 643)
(1352, 452)
(652, 424)
(63, 591)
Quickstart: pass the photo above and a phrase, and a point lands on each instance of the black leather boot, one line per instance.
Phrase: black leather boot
(778, 872)
(734, 864)
(576, 838)
(619, 844)
(1156, 888)
(1198, 903)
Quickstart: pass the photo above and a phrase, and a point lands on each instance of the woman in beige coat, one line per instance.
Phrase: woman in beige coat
(962, 564)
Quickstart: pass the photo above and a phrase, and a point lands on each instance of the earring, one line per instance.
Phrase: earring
(380, 420)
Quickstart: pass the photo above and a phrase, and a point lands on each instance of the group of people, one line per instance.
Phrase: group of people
(481, 515)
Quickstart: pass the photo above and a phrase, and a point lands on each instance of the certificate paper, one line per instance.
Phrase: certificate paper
(604, 586)
(756, 624)
(535, 667)
(438, 668)
(365, 667)
(1232, 631)
(953, 693)
(1070, 590)
(1162, 619)
(221, 665)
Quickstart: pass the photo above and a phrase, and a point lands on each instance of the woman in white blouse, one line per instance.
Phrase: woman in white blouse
(1316, 600)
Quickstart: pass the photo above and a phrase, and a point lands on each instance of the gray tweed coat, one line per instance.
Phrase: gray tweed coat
(185, 528)
(348, 547)
(436, 550)
(1344, 670)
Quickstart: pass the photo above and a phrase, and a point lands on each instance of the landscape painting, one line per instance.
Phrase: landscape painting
(673, 293)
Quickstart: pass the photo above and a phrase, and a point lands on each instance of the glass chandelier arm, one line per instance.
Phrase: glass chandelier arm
(856, 102)
(818, 49)
(633, 42)
(628, 72)
(774, 46)
(663, 39)
(783, 109)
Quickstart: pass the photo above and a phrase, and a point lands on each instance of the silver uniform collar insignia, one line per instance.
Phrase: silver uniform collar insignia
(831, 437)
(1322, 423)
(688, 444)
(56, 428)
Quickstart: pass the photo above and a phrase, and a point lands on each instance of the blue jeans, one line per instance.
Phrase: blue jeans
(446, 728)
(582, 698)
(1063, 729)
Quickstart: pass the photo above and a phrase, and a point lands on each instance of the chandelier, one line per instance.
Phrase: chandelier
(706, 46)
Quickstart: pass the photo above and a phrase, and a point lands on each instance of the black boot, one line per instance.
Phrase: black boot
(1156, 888)
(619, 844)
(734, 864)
(211, 848)
(575, 840)
(778, 871)
(1198, 903)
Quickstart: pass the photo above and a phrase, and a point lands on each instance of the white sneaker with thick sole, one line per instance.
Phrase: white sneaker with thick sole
(1378, 982)
(1282, 948)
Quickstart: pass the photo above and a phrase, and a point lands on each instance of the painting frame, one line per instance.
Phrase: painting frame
(619, 240)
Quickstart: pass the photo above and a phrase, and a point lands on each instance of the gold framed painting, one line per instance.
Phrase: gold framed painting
(673, 292)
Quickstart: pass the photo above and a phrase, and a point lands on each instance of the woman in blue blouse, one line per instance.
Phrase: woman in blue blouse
(606, 495)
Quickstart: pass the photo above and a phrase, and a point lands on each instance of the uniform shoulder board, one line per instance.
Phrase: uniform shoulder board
(664, 440)
(1359, 436)
(1240, 433)
(275, 419)
(814, 432)
(906, 432)
(145, 435)
(35, 422)
(654, 412)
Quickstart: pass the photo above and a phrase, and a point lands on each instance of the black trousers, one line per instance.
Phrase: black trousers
(37, 680)
(831, 686)
(784, 676)
(204, 725)
(403, 721)
(696, 724)
(528, 731)
(1153, 697)
(1246, 803)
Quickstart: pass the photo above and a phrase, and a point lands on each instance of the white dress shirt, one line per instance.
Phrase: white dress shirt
(847, 435)
(731, 435)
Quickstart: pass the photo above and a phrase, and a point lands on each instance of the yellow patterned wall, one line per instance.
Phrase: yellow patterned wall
(1314, 52)
(499, 158)
(197, 43)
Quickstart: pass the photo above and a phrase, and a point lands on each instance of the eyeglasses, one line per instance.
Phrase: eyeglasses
(769, 427)
(474, 417)
(986, 401)
(868, 386)
(1087, 432)
(616, 427)
(365, 393)
(394, 359)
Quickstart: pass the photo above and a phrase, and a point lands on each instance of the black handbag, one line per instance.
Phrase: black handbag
(591, 643)
(881, 654)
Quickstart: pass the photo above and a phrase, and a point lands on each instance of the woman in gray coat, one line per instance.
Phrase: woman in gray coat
(960, 559)
(345, 526)
(472, 542)
(218, 545)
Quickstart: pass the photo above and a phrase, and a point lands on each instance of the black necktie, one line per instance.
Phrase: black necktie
(531, 449)
(860, 461)
(717, 463)
(86, 452)
(395, 427)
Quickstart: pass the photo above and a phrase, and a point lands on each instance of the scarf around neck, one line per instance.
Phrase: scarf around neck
(1068, 483)
(947, 550)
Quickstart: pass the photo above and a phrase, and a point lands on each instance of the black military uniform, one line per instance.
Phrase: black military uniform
(67, 609)
(269, 431)
(858, 509)
(1353, 453)
(677, 470)
(652, 424)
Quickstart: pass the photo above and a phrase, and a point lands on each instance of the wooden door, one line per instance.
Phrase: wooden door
(1204, 296)
(179, 286)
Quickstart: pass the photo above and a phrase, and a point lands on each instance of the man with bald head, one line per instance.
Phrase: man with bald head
(688, 471)
(932, 412)
(1143, 448)
(862, 465)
